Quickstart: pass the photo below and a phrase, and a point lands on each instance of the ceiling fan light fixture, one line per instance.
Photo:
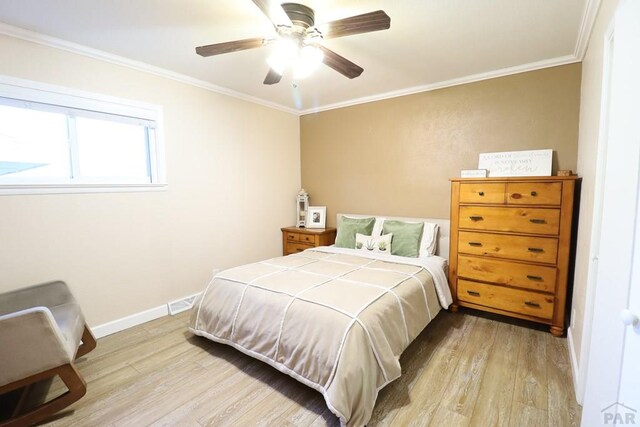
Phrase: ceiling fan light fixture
(284, 53)
(307, 62)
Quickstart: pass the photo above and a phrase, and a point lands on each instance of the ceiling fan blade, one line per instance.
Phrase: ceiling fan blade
(339, 63)
(365, 23)
(227, 47)
(272, 77)
(274, 12)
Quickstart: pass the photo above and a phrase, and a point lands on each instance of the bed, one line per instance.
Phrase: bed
(335, 319)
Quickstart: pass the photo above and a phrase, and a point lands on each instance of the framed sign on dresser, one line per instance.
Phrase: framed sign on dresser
(511, 246)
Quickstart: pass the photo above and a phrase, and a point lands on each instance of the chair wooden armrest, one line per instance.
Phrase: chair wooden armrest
(40, 342)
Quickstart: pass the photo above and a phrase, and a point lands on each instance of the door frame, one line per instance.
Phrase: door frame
(603, 364)
(581, 369)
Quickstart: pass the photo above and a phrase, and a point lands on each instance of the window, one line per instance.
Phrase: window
(58, 140)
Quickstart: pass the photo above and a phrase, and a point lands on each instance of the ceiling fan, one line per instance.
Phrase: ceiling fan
(298, 39)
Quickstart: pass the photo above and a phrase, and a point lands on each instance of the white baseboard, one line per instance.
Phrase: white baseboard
(575, 368)
(129, 321)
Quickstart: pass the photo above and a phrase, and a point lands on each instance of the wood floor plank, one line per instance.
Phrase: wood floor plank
(109, 362)
(495, 397)
(158, 374)
(326, 419)
(220, 378)
(152, 406)
(445, 417)
(310, 406)
(413, 362)
(562, 406)
(279, 405)
(463, 389)
(531, 375)
(127, 399)
(247, 391)
(528, 416)
(425, 394)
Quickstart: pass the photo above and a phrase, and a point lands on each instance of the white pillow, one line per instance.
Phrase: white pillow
(380, 244)
(429, 239)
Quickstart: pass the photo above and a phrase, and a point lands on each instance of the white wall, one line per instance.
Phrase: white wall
(233, 169)
(592, 70)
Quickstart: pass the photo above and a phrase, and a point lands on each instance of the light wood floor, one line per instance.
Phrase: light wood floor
(462, 370)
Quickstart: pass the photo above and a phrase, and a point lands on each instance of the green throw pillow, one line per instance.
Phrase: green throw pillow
(406, 237)
(349, 227)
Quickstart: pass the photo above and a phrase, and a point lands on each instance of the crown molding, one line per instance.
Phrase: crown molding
(43, 39)
(586, 27)
(533, 66)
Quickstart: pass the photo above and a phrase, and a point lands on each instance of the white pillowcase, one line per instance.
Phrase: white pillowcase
(429, 239)
(379, 244)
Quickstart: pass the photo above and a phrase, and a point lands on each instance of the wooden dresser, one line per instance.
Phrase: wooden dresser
(296, 239)
(511, 246)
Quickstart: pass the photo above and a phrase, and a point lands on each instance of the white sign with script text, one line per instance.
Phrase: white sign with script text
(517, 163)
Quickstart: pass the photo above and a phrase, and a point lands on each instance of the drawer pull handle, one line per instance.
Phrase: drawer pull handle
(475, 244)
(480, 193)
(538, 221)
(291, 237)
(474, 293)
(532, 304)
(536, 278)
(536, 250)
(475, 218)
(516, 196)
(534, 193)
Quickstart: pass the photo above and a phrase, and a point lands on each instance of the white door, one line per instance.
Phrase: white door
(612, 395)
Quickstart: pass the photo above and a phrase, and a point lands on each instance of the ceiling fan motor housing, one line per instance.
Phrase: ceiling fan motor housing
(300, 15)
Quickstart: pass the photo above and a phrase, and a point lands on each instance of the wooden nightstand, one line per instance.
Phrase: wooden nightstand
(296, 239)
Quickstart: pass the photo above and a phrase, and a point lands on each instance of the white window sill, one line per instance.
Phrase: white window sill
(13, 190)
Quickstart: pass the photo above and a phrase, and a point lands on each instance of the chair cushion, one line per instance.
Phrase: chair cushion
(71, 322)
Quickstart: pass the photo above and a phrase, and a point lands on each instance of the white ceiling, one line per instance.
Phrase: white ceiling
(430, 43)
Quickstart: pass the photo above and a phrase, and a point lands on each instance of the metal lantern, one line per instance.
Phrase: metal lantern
(302, 207)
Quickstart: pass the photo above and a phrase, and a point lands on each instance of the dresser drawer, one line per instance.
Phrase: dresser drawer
(292, 248)
(534, 277)
(539, 249)
(474, 192)
(519, 220)
(503, 298)
(534, 193)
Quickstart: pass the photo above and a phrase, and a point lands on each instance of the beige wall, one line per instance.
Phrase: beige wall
(233, 169)
(587, 153)
(394, 157)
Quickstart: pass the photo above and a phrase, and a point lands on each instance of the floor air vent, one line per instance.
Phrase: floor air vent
(181, 305)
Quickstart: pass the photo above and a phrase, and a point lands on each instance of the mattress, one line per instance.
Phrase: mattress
(334, 319)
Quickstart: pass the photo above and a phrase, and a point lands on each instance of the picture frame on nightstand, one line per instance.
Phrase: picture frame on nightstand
(316, 217)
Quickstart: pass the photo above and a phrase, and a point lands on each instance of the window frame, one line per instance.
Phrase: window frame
(92, 104)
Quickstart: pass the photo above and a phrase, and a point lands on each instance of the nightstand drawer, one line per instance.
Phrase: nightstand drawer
(503, 298)
(519, 220)
(292, 248)
(534, 193)
(538, 249)
(291, 237)
(482, 193)
(534, 277)
(306, 238)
